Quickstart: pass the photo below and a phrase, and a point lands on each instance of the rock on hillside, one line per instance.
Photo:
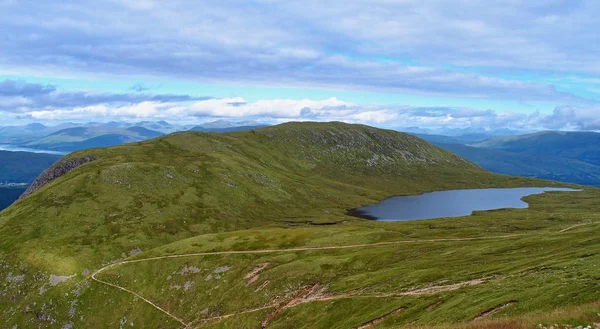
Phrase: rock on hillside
(56, 171)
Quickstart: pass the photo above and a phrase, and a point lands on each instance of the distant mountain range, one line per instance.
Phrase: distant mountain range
(227, 129)
(564, 156)
(462, 135)
(557, 155)
(23, 167)
(584, 146)
(69, 137)
(78, 138)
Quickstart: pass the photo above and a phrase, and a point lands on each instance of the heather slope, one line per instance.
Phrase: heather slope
(274, 182)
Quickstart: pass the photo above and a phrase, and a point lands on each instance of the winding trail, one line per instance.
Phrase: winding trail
(320, 298)
(172, 316)
(263, 251)
(575, 226)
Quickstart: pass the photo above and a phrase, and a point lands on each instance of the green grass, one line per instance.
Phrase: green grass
(541, 269)
(269, 189)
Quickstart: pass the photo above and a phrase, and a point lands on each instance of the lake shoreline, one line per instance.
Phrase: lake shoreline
(449, 203)
(356, 212)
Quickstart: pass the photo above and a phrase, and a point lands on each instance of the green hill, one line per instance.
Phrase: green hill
(583, 146)
(283, 192)
(23, 167)
(79, 138)
(529, 165)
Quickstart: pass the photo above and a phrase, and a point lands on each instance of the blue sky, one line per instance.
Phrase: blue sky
(453, 64)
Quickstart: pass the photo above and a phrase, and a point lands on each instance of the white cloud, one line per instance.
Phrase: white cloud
(394, 46)
(276, 108)
(28, 101)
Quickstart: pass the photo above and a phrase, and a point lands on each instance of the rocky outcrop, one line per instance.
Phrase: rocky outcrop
(56, 170)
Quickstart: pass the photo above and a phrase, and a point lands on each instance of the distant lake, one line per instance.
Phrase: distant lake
(453, 203)
(8, 195)
(13, 148)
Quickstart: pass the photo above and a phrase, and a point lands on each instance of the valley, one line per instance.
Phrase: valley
(9, 194)
(385, 164)
(249, 229)
(557, 155)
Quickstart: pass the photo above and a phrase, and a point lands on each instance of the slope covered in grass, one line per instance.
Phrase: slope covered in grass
(277, 187)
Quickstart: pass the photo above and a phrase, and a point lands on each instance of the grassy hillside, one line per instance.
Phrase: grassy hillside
(280, 187)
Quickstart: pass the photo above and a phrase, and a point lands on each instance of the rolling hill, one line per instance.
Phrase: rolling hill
(79, 138)
(563, 156)
(222, 126)
(20, 168)
(529, 165)
(583, 146)
(249, 229)
(226, 129)
(23, 167)
(9, 194)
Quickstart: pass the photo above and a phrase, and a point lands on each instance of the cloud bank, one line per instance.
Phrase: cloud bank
(461, 48)
(36, 102)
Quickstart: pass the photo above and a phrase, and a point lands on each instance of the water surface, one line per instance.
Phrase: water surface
(452, 203)
(14, 148)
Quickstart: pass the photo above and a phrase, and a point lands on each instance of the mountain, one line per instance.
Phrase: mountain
(68, 137)
(583, 146)
(461, 135)
(222, 126)
(529, 165)
(249, 229)
(23, 167)
(162, 126)
(563, 156)
(9, 194)
(78, 138)
(440, 139)
(18, 169)
(228, 124)
(226, 130)
(19, 134)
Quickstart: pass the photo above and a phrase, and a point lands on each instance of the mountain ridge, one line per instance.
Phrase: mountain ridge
(251, 190)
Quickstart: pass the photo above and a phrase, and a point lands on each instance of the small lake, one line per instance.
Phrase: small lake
(453, 203)
(14, 148)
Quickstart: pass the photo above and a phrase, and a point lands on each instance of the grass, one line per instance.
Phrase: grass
(541, 269)
(274, 188)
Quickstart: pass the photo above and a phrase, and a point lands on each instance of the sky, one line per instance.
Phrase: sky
(461, 64)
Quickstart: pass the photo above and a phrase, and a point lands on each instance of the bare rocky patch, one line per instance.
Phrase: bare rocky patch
(494, 310)
(57, 170)
(58, 279)
(252, 276)
(377, 320)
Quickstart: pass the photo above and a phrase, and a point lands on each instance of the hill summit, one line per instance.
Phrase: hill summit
(99, 206)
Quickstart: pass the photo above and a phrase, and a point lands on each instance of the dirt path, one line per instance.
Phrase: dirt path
(313, 294)
(575, 226)
(318, 298)
(172, 316)
(268, 251)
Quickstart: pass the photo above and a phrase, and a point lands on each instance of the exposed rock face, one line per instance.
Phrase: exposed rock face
(58, 169)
